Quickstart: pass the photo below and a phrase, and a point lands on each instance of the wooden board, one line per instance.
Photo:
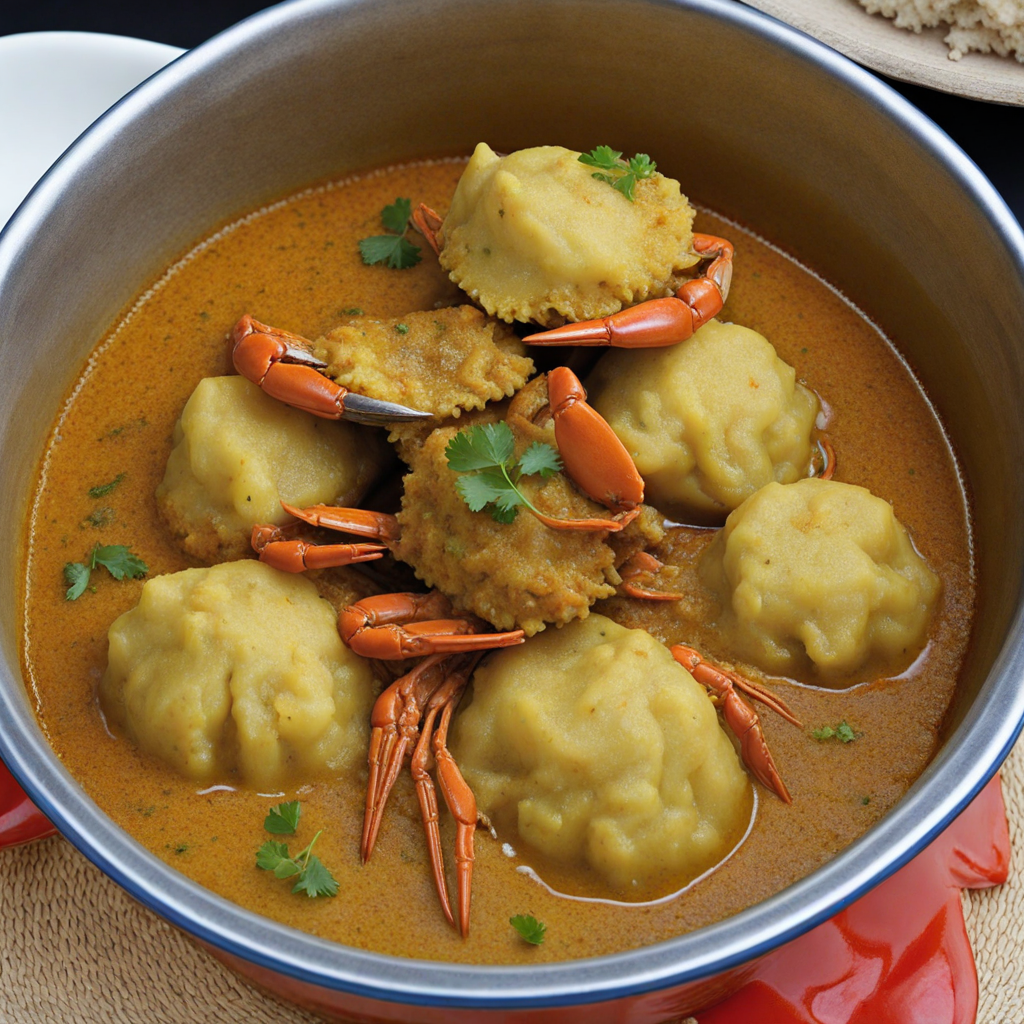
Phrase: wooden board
(921, 58)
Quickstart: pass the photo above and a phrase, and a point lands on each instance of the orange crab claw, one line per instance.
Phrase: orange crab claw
(284, 366)
(428, 223)
(291, 554)
(360, 521)
(643, 563)
(389, 626)
(741, 718)
(658, 322)
(593, 456)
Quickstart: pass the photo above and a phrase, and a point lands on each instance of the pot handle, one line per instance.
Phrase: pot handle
(20, 820)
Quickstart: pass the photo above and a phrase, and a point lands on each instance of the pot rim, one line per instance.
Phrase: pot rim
(949, 783)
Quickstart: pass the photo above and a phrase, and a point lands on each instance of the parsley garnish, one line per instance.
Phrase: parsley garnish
(311, 877)
(394, 250)
(115, 558)
(842, 732)
(623, 174)
(283, 820)
(484, 454)
(102, 490)
(529, 928)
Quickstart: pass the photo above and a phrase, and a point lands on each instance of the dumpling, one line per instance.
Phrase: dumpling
(820, 572)
(237, 671)
(535, 236)
(238, 453)
(708, 421)
(597, 748)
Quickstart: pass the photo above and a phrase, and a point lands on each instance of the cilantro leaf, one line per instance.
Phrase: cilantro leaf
(77, 576)
(102, 490)
(396, 216)
(283, 819)
(311, 877)
(118, 561)
(624, 174)
(484, 454)
(271, 854)
(529, 928)
(480, 447)
(540, 458)
(315, 880)
(395, 251)
(602, 156)
(480, 489)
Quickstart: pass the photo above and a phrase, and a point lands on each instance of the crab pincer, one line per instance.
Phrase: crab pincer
(657, 322)
(284, 366)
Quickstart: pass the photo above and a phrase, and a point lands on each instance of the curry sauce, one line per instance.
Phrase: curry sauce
(296, 265)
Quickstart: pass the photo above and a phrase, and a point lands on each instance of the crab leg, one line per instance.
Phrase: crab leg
(593, 456)
(428, 222)
(293, 554)
(643, 563)
(457, 795)
(282, 364)
(394, 725)
(658, 322)
(741, 718)
(390, 626)
(360, 521)
(462, 806)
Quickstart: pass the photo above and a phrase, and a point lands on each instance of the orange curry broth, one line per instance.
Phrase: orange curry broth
(296, 265)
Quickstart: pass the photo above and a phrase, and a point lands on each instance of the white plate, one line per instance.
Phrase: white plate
(53, 85)
(921, 58)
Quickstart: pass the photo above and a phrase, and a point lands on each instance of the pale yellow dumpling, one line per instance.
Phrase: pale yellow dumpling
(237, 672)
(535, 236)
(238, 453)
(593, 746)
(708, 421)
(819, 571)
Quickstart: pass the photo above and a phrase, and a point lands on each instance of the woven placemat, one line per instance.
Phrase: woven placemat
(76, 949)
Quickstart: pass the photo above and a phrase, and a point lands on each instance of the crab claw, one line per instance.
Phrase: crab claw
(283, 365)
(658, 322)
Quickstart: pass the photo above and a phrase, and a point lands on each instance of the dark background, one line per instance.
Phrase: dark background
(992, 136)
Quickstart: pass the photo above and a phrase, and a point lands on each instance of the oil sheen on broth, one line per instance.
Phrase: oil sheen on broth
(296, 265)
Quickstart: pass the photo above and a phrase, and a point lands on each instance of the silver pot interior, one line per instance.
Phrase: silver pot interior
(757, 122)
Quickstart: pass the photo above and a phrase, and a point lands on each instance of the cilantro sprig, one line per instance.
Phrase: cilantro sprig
(530, 929)
(115, 558)
(842, 732)
(311, 877)
(394, 249)
(484, 455)
(102, 490)
(621, 174)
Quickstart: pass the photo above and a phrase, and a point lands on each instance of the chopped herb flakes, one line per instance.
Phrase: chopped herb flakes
(842, 732)
(102, 490)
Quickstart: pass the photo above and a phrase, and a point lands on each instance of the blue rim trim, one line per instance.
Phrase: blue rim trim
(427, 983)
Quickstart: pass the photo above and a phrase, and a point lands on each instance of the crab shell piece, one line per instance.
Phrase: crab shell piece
(534, 236)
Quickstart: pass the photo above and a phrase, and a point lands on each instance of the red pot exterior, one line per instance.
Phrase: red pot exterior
(20, 820)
